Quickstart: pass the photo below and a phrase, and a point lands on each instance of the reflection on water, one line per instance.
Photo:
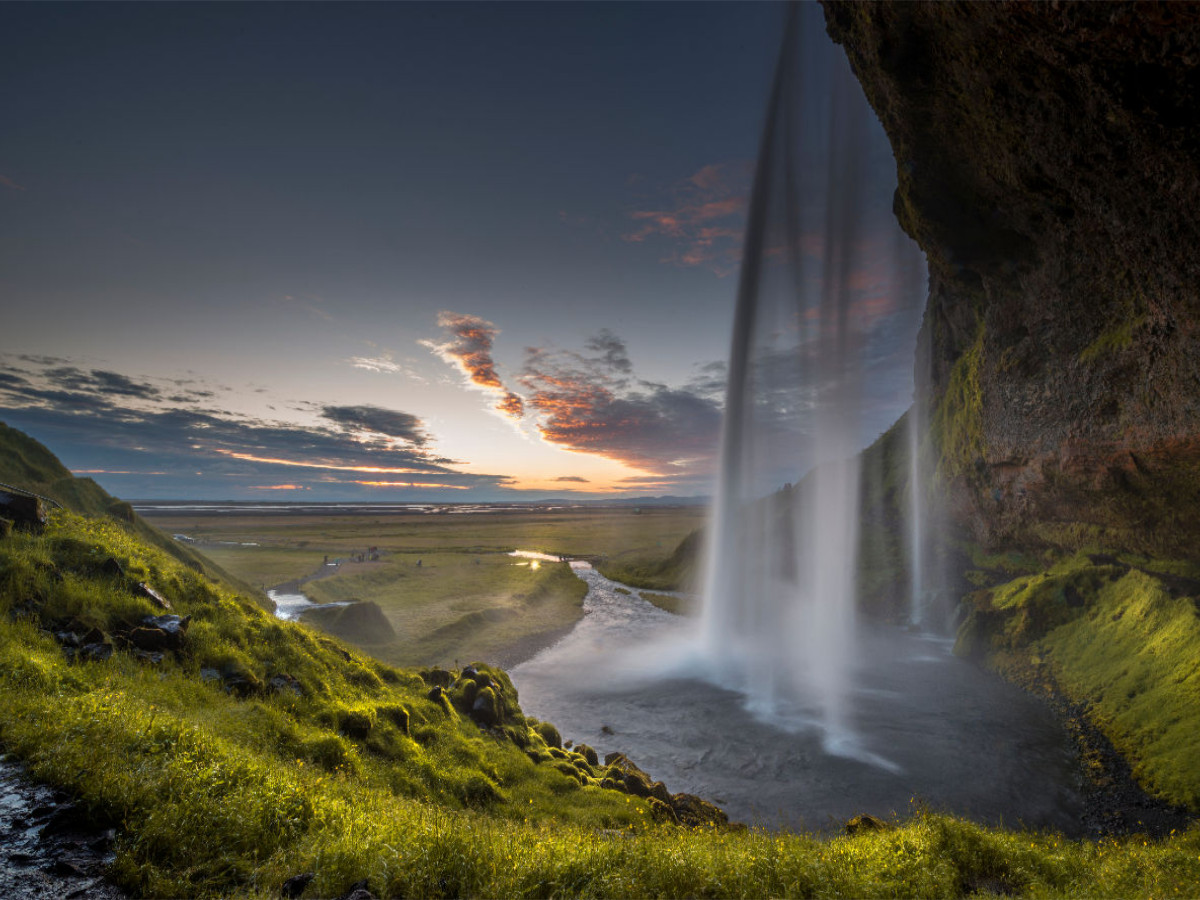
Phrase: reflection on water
(929, 728)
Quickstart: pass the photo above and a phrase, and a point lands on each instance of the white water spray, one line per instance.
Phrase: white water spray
(822, 289)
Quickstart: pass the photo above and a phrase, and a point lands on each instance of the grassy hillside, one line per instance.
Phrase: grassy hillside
(27, 464)
(1119, 633)
(258, 749)
(232, 750)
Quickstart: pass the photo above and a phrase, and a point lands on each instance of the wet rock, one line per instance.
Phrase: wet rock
(864, 822)
(295, 885)
(144, 590)
(160, 632)
(112, 568)
(435, 694)
(659, 792)
(97, 652)
(285, 684)
(152, 657)
(65, 868)
(207, 674)
(468, 672)
(693, 810)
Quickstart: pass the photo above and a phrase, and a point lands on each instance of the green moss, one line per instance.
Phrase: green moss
(958, 416)
(1118, 337)
(1118, 639)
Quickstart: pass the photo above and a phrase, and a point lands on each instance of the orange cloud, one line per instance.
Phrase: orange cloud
(413, 484)
(593, 404)
(470, 348)
(9, 183)
(276, 461)
(279, 487)
(703, 220)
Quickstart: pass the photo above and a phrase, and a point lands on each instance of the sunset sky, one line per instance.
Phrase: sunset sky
(381, 251)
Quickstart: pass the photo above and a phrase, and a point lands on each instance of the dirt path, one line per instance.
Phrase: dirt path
(48, 848)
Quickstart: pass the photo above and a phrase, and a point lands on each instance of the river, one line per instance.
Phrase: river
(930, 729)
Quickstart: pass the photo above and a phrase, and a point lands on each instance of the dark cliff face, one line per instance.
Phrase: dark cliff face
(1049, 166)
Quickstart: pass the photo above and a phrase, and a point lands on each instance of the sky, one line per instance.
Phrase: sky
(382, 251)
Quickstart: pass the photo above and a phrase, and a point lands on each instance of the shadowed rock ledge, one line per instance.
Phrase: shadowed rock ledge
(1049, 165)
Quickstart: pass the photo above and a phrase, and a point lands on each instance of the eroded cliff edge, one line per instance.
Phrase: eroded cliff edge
(1049, 166)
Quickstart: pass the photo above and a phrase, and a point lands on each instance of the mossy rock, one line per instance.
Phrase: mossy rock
(356, 723)
(441, 699)
(328, 751)
(592, 757)
(395, 714)
(661, 812)
(569, 770)
(696, 811)
(486, 709)
(463, 694)
(865, 822)
(478, 792)
(549, 734)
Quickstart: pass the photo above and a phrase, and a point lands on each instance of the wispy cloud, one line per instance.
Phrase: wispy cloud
(700, 219)
(575, 479)
(591, 402)
(9, 183)
(123, 427)
(389, 422)
(469, 347)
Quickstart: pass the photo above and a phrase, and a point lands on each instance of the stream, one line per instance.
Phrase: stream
(929, 729)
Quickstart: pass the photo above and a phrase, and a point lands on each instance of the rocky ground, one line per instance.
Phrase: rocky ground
(1114, 803)
(49, 847)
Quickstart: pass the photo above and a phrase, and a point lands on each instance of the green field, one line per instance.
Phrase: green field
(445, 582)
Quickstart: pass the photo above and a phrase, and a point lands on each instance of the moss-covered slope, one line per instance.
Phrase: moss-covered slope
(30, 466)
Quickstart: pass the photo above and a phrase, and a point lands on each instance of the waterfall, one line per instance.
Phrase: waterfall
(823, 293)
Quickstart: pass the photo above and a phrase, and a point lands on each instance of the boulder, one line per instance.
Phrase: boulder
(592, 757)
(864, 822)
(662, 812)
(144, 590)
(693, 810)
(22, 510)
(486, 708)
(160, 633)
(295, 885)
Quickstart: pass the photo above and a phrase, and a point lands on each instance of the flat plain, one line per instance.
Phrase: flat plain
(445, 581)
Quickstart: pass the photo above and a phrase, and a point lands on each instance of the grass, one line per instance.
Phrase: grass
(362, 776)
(657, 568)
(467, 599)
(458, 606)
(1119, 638)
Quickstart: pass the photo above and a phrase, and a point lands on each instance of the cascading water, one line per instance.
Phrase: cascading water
(826, 289)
